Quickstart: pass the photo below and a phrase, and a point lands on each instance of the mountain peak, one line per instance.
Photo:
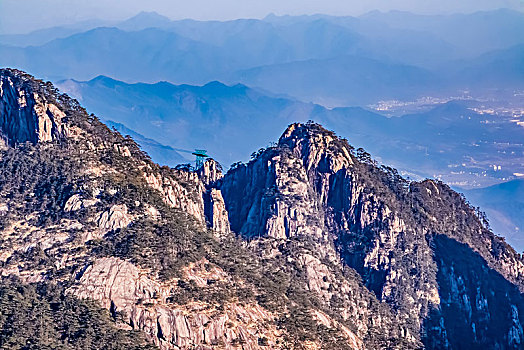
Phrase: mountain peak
(314, 186)
(149, 16)
(144, 20)
(29, 110)
(304, 131)
(105, 81)
(317, 146)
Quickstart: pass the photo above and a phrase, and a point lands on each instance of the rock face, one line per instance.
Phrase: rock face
(175, 194)
(193, 193)
(210, 172)
(271, 196)
(214, 207)
(116, 217)
(25, 115)
(77, 202)
(122, 288)
(215, 210)
(314, 184)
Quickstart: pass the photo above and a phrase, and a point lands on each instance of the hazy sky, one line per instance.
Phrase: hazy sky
(17, 16)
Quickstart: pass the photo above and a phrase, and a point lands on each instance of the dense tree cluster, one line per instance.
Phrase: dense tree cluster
(42, 317)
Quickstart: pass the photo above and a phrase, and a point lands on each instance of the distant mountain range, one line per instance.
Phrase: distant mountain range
(355, 80)
(222, 119)
(450, 141)
(335, 60)
(470, 34)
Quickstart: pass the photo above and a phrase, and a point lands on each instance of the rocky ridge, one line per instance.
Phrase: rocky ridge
(392, 232)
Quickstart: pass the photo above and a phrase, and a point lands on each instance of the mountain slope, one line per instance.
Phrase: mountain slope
(418, 246)
(340, 80)
(472, 33)
(43, 36)
(496, 66)
(118, 54)
(43, 318)
(310, 245)
(86, 212)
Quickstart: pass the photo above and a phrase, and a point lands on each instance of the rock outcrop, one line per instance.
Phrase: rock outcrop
(215, 210)
(181, 190)
(25, 116)
(123, 288)
(114, 218)
(214, 207)
(210, 172)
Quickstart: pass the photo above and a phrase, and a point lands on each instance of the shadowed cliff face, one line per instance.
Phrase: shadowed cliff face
(313, 184)
(480, 309)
